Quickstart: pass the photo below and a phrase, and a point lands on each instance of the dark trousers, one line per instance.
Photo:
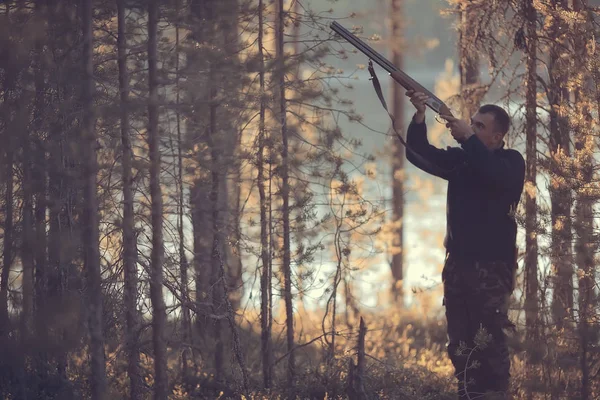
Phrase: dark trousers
(476, 295)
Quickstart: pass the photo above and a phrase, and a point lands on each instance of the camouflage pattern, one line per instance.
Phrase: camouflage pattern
(476, 297)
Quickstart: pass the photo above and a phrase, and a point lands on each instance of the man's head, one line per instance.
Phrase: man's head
(490, 124)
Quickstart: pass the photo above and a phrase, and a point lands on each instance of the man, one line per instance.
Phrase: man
(485, 182)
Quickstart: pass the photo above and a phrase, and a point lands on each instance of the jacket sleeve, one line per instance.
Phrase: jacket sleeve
(507, 172)
(416, 138)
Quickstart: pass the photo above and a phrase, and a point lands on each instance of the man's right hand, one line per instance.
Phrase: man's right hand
(418, 100)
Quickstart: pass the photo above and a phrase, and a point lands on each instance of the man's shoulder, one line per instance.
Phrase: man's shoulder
(513, 155)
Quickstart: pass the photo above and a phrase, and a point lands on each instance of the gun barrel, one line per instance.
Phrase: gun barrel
(363, 47)
(400, 76)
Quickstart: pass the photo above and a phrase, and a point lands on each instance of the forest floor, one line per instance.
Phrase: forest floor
(405, 359)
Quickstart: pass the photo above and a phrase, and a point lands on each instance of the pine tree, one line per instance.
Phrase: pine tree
(159, 317)
(91, 226)
(130, 295)
(398, 158)
(266, 308)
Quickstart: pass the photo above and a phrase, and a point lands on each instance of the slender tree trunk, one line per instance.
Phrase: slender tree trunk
(530, 204)
(265, 280)
(55, 231)
(468, 62)
(585, 245)
(7, 252)
(398, 157)
(201, 11)
(183, 262)
(531, 244)
(230, 178)
(218, 300)
(200, 225)
(159, 317)
(584, 250)
(91, 224)
(560, 192)
(285, 196)
(28, 241)
(129, 241)
(27, 260)
(39, 199)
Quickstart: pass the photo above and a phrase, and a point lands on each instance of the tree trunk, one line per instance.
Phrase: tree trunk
(159, 317)
(202, 250)
(28, 239)
(585, 244)
(200, 202)
(531, 244)
(7, 252)
(285, 195)
(468, 62)
(217, 285)
(55, 232)
(230, 178)
(561, 255)
(265, 280)
(584, 255)
(91, 221)
(183, 262)
(130, 294)
(398, 156)
(39, 183)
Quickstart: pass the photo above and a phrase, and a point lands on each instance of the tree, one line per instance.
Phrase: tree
(130, 295)
(266, 307)
(468, 54)
(159, 317)
(531, 242)
(560, 190)
(91, 225)
(187, 334)
(398, 157)
(585, 245)
(285, 192)
(39, 183)
(7, 252)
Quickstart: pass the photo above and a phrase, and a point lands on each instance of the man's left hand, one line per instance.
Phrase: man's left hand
(460, 129)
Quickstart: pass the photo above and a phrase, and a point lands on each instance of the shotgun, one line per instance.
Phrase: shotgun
(408, 83)
(397, 74)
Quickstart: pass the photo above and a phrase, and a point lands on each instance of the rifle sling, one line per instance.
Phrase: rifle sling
(426, 163)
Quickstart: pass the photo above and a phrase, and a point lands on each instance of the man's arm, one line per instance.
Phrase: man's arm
(416, 138)
(506, 172)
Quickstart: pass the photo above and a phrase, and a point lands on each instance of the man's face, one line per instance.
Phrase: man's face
(486, 130)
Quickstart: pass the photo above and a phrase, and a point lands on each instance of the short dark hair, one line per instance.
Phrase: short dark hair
(501, 117)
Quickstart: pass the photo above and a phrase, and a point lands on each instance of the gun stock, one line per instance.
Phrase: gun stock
(410, 84)
(396, 73)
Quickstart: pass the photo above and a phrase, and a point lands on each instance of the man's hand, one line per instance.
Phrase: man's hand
(460, 129)
(418, 100)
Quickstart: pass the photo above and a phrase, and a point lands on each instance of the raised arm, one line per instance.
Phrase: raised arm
(416, 138)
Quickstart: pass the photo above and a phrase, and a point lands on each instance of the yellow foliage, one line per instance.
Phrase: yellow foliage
(531, 189)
